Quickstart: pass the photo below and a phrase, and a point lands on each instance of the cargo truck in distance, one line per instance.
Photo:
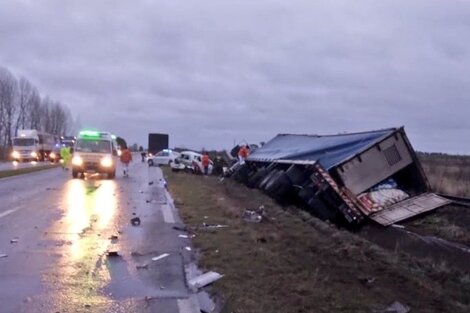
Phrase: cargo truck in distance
(157, 143)
(32, 145)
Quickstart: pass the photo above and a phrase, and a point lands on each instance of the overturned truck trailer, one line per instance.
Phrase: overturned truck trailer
(345, 177)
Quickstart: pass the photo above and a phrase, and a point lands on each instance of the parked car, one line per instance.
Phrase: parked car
(164, 157)
(192, 161)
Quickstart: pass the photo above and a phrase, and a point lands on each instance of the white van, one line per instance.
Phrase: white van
(193, 161)
(95, 152)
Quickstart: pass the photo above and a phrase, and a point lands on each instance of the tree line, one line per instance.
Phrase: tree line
(23, 107)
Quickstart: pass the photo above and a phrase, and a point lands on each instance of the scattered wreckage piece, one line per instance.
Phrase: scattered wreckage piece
(161, 256)
(344, 178)
(204, 279)
(254, 216)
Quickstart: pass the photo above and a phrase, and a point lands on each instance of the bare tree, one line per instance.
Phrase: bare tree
(8, 87)
(58, 119)
(34, 112)
(45, 114)
(27, 95)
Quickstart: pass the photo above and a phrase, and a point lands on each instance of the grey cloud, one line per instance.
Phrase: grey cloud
(211, 72)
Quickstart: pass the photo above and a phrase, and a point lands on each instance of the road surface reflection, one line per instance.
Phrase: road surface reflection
(90, 212)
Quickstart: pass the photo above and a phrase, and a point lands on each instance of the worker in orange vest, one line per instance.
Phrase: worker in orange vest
(126, 158)
(205, 162)
(243, 154)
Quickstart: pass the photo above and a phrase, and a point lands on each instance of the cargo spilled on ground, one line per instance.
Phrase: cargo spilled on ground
(293, 262)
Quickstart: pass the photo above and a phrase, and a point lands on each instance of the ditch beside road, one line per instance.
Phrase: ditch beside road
(292, 262)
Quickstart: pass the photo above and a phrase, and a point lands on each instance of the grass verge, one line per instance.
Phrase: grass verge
(293, 264)
(26, 170)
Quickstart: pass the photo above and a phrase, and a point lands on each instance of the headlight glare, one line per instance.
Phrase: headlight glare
(77, 160)
(106, 162)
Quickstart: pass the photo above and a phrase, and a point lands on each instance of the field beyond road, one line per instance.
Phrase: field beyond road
(292, 262)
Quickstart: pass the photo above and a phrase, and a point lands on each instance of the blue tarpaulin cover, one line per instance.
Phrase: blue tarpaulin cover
(330, 150)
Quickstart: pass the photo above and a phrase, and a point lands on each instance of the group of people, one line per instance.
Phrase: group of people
(126, 158)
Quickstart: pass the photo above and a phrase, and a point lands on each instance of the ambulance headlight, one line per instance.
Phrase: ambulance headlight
(106, 162)
(77, 160)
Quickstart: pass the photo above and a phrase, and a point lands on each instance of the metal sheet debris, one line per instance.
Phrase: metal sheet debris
(161, 256)
(204, 279)
(3, 255)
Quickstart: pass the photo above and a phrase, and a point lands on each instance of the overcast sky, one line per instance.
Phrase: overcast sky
(213, 72)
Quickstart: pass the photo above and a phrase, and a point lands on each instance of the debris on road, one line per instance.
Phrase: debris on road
(188, 248)
(150, 183)
(183, 236)
(204, 279)
(135, 221)
(398, 226)
(395, 307)
(161, 256)
(14, 240)
(113, 237)
(112, 253)
(2, 255)
(142, 266)
(180, 228)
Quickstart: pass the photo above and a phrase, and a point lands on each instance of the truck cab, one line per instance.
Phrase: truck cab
(94, 152)
(32, 145)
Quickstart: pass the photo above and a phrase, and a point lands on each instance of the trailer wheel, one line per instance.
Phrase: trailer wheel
(257, 177)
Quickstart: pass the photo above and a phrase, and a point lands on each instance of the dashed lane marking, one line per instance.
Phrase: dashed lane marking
(8, 212)
(168, 216)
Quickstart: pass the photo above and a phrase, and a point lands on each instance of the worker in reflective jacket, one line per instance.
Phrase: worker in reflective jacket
(66, 156)
(205, 163)
(126, 158)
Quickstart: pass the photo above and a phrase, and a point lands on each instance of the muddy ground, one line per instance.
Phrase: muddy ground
(292, 262)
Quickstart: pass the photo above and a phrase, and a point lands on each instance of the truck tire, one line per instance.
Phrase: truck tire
(265, 180)
(150, 162)
(74, 174)
(254, 180)
(297, 175)
(269, 184)
(112, 175)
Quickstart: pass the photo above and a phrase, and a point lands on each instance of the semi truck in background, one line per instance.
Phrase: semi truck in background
(32, 145)
(157, 143)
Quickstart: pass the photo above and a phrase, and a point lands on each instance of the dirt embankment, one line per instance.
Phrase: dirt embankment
(292, 262)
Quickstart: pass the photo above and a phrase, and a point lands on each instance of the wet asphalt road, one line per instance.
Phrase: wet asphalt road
(57, 232)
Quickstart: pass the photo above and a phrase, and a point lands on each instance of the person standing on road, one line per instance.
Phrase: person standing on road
(143, 154)
(243, 154)
(126, 158)
(205, 162)
(66, 155)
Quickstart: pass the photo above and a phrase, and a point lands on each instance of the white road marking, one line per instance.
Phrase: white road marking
(168, 216)
(189, 305)
(8, 212)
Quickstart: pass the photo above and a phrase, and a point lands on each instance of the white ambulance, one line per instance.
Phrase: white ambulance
(95, 152)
